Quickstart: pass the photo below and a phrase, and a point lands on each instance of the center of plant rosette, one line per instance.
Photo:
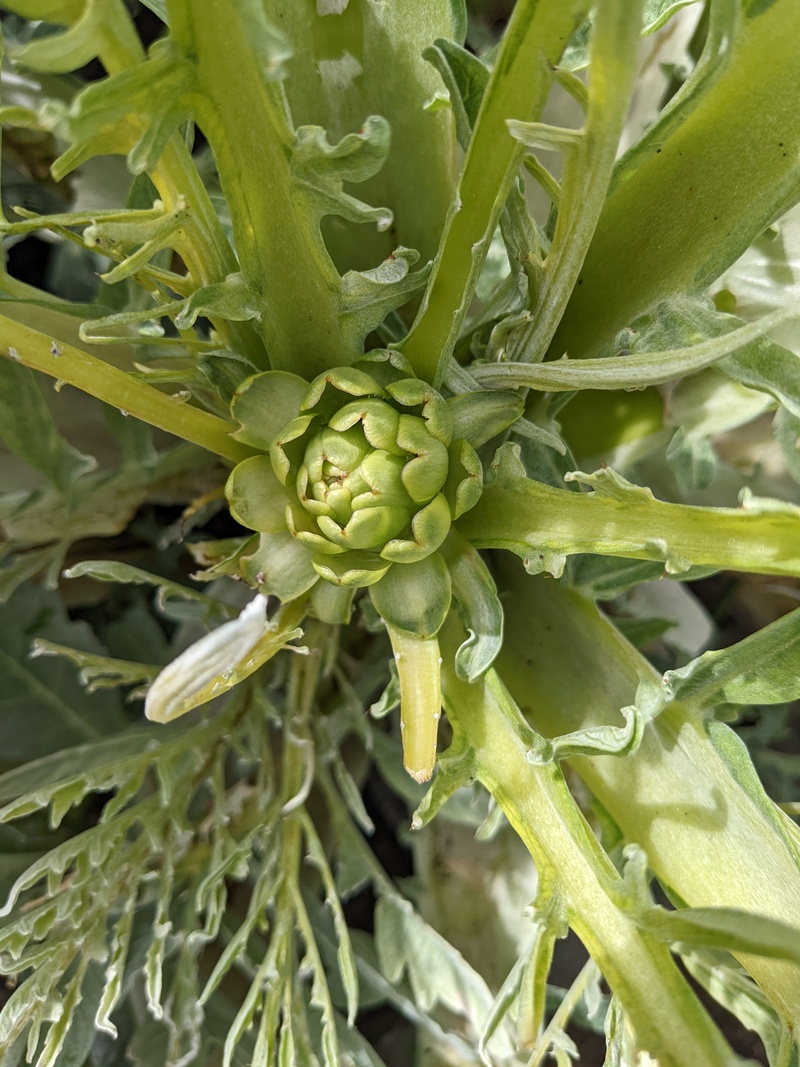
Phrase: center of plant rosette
(368, 471)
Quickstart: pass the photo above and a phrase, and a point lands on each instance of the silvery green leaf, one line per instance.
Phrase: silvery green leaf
(656, 14)
(345, 958)
(692, 459)
(456, 768)
(96, 672)
(478, 604)
(786, 429)
(95, 122)
(339, 76)
(465, 77)
(762, 669)
(606, 577)
(732, 987)
(438, 974)
(549, 920)
(708, 403)
(170, 594)
(761, 364)
(42, 704)
(728, 928)
(232, 300)
(620, 1046)
(368, 296)
(100, 760)
(389, 699)
(29, 430)
(319, 169)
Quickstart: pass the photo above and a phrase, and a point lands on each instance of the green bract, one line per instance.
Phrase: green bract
(364, 472)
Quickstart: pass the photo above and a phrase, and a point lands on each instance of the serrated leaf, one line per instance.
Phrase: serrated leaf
(156, 92)
(479, 606)
(626, 520)
(729, 928)
(96, 672)
(231, 299)
(115, 969)
(437, 972)
(29, 430)
(762, 669)
(161, 929)
(339, 76)
(170, 594)
(43, 706)
(319, 169)
(692, 459)
(368, 296)
(262, 894)
(94, 759)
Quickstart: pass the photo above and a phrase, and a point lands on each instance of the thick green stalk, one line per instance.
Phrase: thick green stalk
(668, 1020)
(71, 366)
(521, 79)
(245, 120)
(539, 522)
(701, 193)
(588, 167)
(204, 246)
(703, 820)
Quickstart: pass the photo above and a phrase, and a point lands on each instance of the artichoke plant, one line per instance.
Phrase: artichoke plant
(550, 379)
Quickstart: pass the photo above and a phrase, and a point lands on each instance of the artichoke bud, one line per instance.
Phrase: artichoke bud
(364, 470)
(373, 474)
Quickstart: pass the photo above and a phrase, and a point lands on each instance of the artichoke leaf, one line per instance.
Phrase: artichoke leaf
(479, 606)
(280, 565)
(414, 597)
(483, 414)
(264, 403)
(256, 497)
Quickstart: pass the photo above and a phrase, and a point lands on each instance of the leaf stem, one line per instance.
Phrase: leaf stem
(245, 118)
(667, 1017)
(544, 525)
(94, 376)
(204, 245)
(632, 371)
(701, 184)
(691, 800)
(521, 79)
(588, 167)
